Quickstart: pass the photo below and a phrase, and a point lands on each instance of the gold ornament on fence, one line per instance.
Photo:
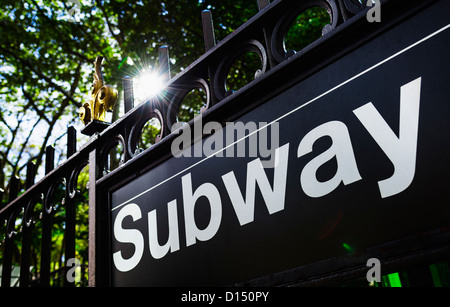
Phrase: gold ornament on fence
(103, 97)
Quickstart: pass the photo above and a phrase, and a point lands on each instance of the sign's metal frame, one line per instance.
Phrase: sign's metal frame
(335, 45)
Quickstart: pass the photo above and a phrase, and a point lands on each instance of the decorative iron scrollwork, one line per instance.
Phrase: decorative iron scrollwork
(73, 179)
(220, 79)
(181, 93)
(49, 203)
(103, 97)
(104, 162)
(136, 131)
(281, 27)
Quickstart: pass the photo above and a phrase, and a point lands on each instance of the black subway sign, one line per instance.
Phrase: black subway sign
(359, 159)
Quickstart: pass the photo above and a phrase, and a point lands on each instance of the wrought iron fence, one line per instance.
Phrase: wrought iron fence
(28, 221)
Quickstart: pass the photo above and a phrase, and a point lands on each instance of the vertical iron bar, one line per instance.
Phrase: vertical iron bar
(208, 30)
(164, 65)
(69, 235)
(92, 217)
(49, 159)
(26, 233)
(210, 42)
(267, 35)
(9, 244)
(31, 173)
(71, 141)
(46, 224)
(69, 232)
(164, 72)
(128, 98)
(13, 188)
(7, 261)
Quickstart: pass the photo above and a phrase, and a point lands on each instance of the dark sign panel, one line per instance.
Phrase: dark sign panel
(353, 156)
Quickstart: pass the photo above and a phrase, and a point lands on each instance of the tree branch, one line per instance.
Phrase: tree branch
(41, 75)
(14, 134)
(32, 103)
(118, 38)
(24, 144)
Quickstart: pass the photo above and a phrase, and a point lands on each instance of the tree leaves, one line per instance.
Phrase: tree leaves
(46, 65)
(46, 58)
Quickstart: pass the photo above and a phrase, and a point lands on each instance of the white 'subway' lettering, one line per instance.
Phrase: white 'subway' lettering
(401, 151)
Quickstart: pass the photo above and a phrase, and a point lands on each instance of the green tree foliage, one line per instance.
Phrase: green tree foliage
(47, 50)
(306, 28)
(46, 59)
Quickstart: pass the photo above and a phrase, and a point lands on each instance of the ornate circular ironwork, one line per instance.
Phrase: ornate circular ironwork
(220, 77)
(110, 144)
(29, 208)
(180, 94)
(279, 52)
(146, 114)
(48, 202)
(11, 223)
(74, 178)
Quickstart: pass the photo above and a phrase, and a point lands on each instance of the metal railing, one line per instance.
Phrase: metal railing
(28, 221)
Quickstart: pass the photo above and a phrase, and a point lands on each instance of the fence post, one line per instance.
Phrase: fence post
(69, 232)
(267, 35)
(13, 188)
(164, 65)
(210, 42)
(9, 244)
(208, 30)
(26, 232)
(46, 224)
(92, 217)
(128, 98)
(71, 141)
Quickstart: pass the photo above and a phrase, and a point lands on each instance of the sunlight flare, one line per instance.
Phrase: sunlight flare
(147, 85)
